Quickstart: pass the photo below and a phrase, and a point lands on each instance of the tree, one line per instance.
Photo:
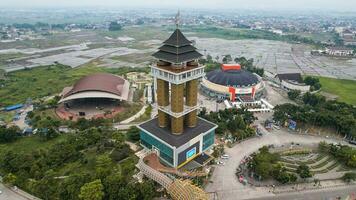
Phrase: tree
(146, 190)
(313, 82)
(313, 99)
(304, 171)
(92, 191)
(293, 94)
(349, 177)
(103, 166)
(133, 134)
(227, 58)
(285, 177)
(115, 187)
(69, 188)
(10, 179)
(218, 150)
(263, 162)
(323, 147)
(8, 135)
(114, 26)
(47, 133)
(120, 153)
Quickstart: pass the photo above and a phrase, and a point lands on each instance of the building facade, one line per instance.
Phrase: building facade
(292, 81)
(177, 135)
(231, 82)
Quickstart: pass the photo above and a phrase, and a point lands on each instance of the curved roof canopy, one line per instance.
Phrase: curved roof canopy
(99, 85)
(238, 78)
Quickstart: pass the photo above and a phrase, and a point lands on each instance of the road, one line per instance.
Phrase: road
(224, 181)
(325, 194)
(7, 194)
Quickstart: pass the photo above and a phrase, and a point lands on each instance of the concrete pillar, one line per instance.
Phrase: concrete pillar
(191, 100)
(177, 125)
(191, 95)
(162, 100)
(163, 119)
(191, 119)
(177, 96)
(177, 106)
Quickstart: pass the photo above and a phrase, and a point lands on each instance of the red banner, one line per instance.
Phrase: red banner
(233, 93)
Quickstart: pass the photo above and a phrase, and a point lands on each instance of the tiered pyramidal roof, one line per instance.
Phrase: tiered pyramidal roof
(177, 49)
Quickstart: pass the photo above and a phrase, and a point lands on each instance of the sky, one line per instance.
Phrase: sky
(337, 5)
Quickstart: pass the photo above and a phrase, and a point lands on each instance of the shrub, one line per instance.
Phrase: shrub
(293, 94)
(120, 153)
(304, 171)
(349, 177)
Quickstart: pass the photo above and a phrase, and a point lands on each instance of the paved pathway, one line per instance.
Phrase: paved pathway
(224, 180)
(8, 194)
(137, 115)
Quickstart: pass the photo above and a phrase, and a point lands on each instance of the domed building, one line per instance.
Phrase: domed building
(232, 82)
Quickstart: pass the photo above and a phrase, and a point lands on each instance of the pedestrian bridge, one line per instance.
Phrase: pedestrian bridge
(176, 188)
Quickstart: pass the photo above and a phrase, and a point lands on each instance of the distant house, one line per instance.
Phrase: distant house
(348, 36)
(139, 80)
(339, 51)
(292, 81)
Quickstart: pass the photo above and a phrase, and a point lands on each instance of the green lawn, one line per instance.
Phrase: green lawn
(7, 116)
(47, 80)
(344, 89)
(29, 144)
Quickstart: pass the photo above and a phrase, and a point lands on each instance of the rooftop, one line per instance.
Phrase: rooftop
(98, 84)
(232, 77)
(177, 49)
(177, 140)
(296, 77)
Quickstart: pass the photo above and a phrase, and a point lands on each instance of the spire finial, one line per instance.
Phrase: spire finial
(177, 19)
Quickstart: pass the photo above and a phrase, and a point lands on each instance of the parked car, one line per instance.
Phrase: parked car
(225, 156)
(220, 163)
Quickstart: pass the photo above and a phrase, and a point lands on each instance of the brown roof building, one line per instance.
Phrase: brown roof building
(99, 85)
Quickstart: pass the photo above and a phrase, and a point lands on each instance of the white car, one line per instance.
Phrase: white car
(220, 163)
(0, 192)
(225, 156)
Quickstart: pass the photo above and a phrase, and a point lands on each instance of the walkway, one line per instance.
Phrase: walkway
(11, 194)
(137, 115)
(224, 180)
(177, 189)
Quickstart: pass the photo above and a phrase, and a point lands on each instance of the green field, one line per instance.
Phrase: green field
(344, 89)
(46, 81)
(31, 143)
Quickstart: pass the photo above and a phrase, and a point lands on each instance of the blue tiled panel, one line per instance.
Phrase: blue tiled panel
(208, 140)
(165, 151)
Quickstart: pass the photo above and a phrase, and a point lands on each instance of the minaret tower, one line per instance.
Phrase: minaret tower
(177, 135)
(177, 72)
